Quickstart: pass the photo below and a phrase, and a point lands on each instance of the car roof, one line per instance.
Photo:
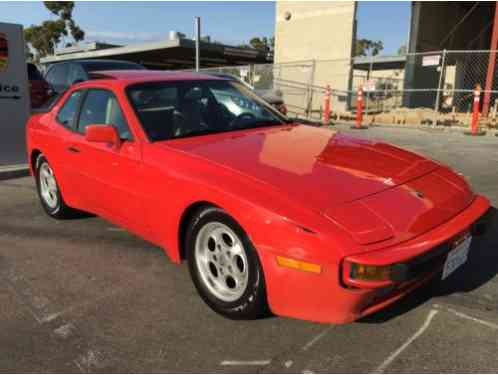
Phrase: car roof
(85, 63)
(139, 76)
(93, 61)
(224, 75)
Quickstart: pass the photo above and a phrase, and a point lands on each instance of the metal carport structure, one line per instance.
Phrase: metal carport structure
(178, 53)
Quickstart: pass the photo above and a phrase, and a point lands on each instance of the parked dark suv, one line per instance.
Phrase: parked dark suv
(39, 89)
(62, 75)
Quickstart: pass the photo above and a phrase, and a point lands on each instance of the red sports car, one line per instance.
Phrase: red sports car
(270, 215)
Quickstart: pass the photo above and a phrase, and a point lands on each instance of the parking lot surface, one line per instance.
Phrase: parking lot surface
(85, 296)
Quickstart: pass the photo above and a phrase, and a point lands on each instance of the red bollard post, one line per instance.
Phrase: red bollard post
(326, 107)
(474, 123)
(359, 110)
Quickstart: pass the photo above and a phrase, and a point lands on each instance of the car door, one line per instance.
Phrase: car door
(60, 154)
(113, 175)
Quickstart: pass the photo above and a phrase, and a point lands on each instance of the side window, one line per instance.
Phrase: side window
(76, 73)
(158, 109)
(101, 107)
(67, 113)
(58, 75)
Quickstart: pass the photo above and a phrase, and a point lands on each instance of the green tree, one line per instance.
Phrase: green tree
(44, 38)
(263, 44)
(367, 47)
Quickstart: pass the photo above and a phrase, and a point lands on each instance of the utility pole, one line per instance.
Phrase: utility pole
(197, 43)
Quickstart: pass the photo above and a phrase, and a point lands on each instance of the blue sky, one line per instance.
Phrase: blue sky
(384, 20)
(228, 22)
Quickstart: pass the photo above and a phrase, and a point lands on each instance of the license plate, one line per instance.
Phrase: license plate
(456, 257)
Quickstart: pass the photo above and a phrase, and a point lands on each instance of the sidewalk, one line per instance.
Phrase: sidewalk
(13, 171)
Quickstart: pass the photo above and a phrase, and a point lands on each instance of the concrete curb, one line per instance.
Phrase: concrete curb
(13, 171)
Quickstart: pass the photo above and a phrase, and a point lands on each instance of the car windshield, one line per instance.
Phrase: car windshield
(176, 109)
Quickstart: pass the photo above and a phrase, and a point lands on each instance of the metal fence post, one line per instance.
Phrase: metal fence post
(369, 78)
(251, 73)
(438, 93)
(309, 104)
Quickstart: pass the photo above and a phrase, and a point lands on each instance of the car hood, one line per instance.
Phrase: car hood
(316, 167)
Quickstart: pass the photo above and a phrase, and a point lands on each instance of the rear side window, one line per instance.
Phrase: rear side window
(76, 74)
(101, 107)
(67, 114)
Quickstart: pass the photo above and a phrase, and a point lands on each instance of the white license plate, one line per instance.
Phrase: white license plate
(456, 257)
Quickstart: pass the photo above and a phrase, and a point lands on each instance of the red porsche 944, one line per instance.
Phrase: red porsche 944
(271, 215)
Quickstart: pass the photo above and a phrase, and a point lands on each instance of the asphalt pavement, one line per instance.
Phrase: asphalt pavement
(85, 296)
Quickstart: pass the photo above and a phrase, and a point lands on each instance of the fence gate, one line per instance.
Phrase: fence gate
(14, 94)
(294, 81)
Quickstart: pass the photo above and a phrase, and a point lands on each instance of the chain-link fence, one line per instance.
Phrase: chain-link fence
(430, 87)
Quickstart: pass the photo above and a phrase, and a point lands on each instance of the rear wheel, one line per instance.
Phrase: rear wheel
(224, 266)
(49, 192)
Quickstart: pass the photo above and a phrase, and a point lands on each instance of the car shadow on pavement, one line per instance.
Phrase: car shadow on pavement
(481, 267)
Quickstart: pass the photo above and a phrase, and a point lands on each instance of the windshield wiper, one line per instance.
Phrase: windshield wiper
(198, 132)
(260, 124)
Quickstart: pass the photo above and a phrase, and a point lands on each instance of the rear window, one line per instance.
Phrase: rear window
(57, 75)
(34, 73)
(111, 65)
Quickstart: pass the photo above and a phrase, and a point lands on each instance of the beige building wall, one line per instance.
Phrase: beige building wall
(315, 30)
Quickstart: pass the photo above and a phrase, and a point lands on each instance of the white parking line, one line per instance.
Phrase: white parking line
(82, 370)
(315, 339)
(43, 312)
(465, 316)
(288, 364)
(64, 331)
(246, 363)
(116, 229)
(398, 351)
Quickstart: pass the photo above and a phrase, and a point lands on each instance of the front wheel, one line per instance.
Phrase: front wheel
(224, 266)
(49, 192)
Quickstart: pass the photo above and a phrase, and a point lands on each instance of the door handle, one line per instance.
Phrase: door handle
(73, 149)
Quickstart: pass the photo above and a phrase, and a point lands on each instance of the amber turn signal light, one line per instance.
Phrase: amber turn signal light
(370, 273)
(298, 265)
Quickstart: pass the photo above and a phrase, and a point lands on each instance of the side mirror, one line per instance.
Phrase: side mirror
(103, 134)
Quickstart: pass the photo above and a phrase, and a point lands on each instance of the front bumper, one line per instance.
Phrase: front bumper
(323, 298)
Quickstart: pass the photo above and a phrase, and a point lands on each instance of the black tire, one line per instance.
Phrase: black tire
(252, 304)
(60, 210)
